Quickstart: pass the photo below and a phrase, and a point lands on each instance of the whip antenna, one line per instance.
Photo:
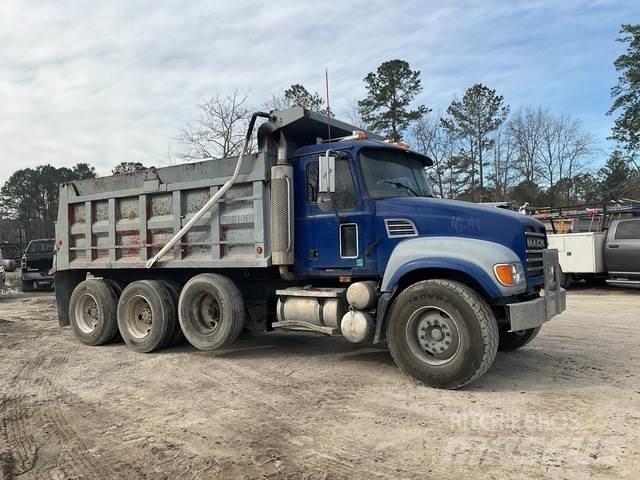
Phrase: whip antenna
(326, 83)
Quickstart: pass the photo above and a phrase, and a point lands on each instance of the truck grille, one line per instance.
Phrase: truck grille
(536, 242)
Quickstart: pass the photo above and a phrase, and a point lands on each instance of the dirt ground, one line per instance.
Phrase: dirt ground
(307, 407)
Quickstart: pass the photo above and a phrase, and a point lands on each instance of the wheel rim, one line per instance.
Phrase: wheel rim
(87, 316)
(138, 317)
(205, 311)
(433, 335)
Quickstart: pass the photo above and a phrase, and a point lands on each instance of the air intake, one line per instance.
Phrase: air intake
(400, 227)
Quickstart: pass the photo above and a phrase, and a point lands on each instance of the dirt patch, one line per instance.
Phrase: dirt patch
(305, 407)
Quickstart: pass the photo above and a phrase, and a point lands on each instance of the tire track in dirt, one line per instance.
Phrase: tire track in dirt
(32, 417)
(285, 417)
(83, 456)
(19, 449)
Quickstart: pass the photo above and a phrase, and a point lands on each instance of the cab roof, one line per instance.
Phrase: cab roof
(358, 145)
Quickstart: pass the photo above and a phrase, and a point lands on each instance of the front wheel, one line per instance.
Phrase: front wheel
(442, 333)
(513, 340)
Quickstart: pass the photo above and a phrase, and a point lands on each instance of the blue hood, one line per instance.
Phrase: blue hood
(440, 217)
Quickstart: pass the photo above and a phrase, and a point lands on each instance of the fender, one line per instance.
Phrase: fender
(473, 257)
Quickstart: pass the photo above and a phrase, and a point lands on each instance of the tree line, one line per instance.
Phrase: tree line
(29, 198)
(483, 150)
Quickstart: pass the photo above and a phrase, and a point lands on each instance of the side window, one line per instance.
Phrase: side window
(346, 198)
(345, 191)
(312, 182)
(629, 230)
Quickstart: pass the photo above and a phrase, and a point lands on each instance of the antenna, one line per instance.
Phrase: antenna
(326, 82)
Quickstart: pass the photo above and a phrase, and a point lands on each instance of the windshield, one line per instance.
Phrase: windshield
(393, 173)
(41, 246)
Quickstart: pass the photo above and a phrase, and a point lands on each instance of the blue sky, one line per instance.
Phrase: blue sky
(105, 82)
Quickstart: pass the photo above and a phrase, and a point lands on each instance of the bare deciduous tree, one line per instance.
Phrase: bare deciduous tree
(525, 130)
(563, 144)
(503, 155)
(219, 131)
(432, 139)
(354, 115)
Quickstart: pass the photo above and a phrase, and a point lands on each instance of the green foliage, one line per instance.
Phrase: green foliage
(586, 188)
(618, 179)
(626, 93)
(298, 95)
(31, 195)
(127, 167)
(473, 120)
(391, 89)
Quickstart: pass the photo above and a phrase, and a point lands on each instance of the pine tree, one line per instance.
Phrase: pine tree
(391, 89)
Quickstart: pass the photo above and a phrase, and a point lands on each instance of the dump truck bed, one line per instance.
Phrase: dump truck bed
(122, 220)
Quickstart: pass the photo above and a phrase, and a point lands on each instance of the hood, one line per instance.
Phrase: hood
(440, 217)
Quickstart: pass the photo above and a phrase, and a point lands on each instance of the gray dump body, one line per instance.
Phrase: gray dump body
(122, 220)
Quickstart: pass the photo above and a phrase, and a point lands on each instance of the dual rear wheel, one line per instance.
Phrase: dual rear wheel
(153, 314)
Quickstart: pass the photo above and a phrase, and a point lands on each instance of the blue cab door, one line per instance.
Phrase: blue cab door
(330, 240)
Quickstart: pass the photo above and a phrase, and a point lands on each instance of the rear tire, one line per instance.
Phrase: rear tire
(176, 337)
(117, 289)
(211, 311)
(146, 315)
(510, 341)
(442, 333)
(93, 312)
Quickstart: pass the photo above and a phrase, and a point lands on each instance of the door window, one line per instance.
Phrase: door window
(629, 230)
(346, 198)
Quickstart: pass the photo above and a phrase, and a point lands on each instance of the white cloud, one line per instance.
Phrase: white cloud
(113, 81)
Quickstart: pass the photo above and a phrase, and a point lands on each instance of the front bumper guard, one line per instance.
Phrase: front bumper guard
(533, 313)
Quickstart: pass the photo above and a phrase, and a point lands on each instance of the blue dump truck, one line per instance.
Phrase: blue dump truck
(324, 229)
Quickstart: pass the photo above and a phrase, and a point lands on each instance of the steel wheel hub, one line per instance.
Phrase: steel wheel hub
(433, 335)
(206, 313)
(139, 317)
(88, 317)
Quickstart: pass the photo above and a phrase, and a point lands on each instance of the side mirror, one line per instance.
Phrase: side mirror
(327, 173)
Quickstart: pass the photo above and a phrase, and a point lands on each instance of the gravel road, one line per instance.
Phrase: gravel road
(307, 407)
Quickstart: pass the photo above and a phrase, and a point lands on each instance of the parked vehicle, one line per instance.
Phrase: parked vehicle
(36, 264)
(339, 236)
(612, 255)
(12, 251)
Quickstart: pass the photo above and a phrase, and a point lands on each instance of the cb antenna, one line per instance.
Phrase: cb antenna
(326, 83)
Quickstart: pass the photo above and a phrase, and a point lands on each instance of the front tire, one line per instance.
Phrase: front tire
(442, 333)
(566, 280)
(211, 311)
(510, 341)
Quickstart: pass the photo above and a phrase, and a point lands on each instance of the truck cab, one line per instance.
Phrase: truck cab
(622, 252)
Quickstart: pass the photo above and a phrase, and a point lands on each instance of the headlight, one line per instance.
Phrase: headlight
(509, 274)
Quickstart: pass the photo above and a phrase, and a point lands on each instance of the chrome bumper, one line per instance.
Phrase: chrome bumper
(533, 313)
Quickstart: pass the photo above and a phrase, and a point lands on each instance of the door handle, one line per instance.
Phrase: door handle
(614, 245)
